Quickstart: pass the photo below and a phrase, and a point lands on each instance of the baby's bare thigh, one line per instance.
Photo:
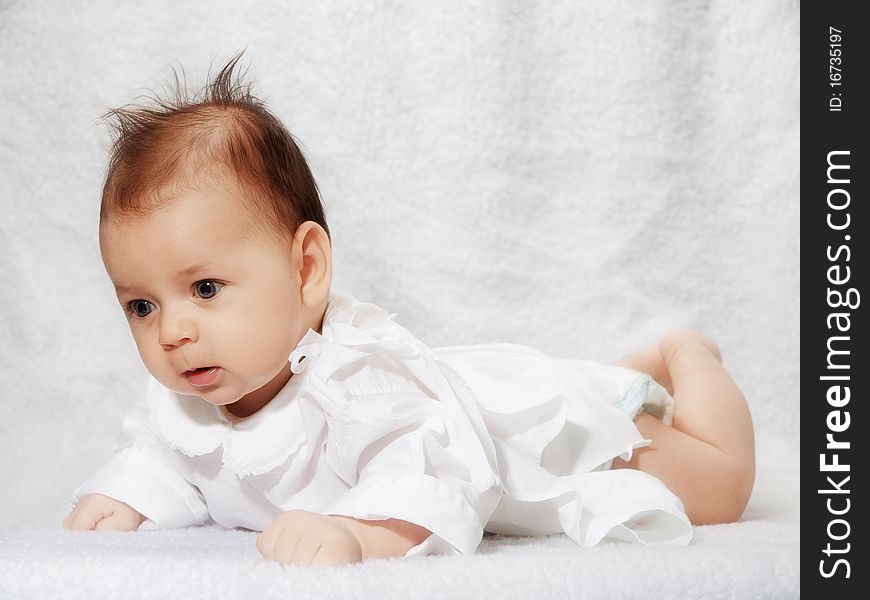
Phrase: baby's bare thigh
(705, 479)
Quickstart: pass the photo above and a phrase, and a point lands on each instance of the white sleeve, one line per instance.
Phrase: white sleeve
(141, 475)
(406, 435)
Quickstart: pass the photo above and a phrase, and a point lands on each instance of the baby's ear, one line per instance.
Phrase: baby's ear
(315, 273)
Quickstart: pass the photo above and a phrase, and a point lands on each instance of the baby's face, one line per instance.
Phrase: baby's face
(198, 292)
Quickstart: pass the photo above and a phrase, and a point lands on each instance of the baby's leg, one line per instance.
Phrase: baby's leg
(707, 458)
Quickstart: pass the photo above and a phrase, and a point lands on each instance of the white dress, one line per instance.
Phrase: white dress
(373, 424)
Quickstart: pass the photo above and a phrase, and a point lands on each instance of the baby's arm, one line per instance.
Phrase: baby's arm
(301, 537)
(96, 511)
(144, 479)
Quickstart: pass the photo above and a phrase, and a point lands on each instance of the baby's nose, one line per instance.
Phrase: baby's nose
(176, 344)
(176, 330)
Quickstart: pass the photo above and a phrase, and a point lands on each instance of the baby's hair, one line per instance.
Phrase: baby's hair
(221, 130)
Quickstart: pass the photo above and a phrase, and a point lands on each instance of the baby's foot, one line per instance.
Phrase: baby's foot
(676, 341)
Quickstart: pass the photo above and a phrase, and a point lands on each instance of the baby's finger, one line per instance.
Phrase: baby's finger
(305, 550)
(325, 556)
(83, 519)
(287, 546)
(117, 521)
(108, 523)
(70, 520)
(267, 541)
(331, 556)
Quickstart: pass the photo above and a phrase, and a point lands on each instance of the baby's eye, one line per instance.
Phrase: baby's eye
(140, 308)
(207, 288)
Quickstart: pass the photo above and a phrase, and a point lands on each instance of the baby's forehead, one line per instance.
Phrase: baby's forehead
(190, 216)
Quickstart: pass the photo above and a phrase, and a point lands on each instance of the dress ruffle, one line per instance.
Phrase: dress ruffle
(557, 425)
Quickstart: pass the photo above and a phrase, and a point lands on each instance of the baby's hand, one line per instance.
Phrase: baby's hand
(299, 537)
(96, 511)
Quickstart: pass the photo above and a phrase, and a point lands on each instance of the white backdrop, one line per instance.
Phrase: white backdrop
(578, 177)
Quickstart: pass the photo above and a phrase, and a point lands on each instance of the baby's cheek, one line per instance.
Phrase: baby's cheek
(273, 332)
(251, 350)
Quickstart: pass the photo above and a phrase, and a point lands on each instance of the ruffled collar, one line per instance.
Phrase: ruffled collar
(265, 440)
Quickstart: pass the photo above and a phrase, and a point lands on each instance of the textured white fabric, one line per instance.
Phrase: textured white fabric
(373, 424)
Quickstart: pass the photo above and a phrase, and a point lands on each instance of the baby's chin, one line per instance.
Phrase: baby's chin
(217, 395)
(204, 397)
(216, 398)
(216, 402)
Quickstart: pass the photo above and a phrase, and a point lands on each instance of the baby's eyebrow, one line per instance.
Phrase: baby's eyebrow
(193, 269)
(124, 289)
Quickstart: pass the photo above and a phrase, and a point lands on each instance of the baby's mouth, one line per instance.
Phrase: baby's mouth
(199, 369)
(203, 376)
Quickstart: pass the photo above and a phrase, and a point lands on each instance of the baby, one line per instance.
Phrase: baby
(279, 405)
